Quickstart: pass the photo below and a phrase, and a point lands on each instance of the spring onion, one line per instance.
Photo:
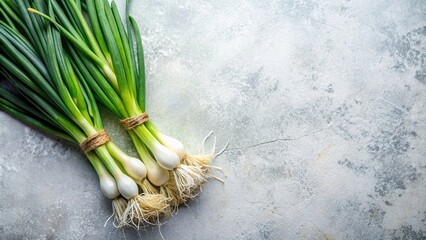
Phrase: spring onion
(109, 64)
(36, 62)
(63, 56)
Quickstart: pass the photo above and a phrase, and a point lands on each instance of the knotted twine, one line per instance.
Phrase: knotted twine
(130, 123)
(100, 138)
(95, 141)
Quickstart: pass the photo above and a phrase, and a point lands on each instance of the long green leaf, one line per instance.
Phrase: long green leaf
(141, 86)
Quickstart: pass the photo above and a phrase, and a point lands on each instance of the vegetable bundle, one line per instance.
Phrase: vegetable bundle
(66, 56)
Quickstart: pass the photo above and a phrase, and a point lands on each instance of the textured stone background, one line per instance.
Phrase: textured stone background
(324, 103)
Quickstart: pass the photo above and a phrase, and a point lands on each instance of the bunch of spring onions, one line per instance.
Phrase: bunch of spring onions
(61, 61)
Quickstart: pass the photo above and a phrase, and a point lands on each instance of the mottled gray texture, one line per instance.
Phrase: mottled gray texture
(324, 104)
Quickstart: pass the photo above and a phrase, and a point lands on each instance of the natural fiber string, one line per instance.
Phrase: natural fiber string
(95, 141)
(130, 123)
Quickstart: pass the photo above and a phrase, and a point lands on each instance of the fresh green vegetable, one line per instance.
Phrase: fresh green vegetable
(106, 58)
(61, 55)
(36, 62)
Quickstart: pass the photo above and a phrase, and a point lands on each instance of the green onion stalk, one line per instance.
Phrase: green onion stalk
(34, 60)
(109, 56)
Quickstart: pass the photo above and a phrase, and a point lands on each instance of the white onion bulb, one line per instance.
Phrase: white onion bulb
(108, 186)
(165, 157)
(156, 174)
(172, 143)
(134, 167)
(127, 187)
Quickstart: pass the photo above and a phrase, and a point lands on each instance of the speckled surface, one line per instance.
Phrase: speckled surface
(324, 103)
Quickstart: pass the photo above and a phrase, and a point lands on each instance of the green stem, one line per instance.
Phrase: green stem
(142, 150)
(87, 127)
(97, 164)
(30, 121)
(151, 127)
(109, 162)
(145, 135)
(116, 152)
(92, 40)
(80, 45)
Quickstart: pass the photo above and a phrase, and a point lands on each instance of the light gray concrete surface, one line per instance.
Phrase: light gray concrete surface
(324, 103)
